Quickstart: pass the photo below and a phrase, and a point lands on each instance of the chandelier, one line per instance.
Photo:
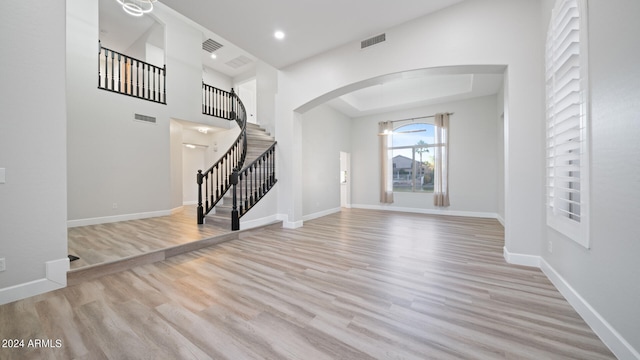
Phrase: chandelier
(136, 7)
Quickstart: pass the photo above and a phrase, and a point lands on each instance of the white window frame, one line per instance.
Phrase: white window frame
(431, 147)
(568, 121)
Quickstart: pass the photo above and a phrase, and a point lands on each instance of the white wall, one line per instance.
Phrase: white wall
(325, 132)
(33, 200)
(485, 32)
(119, 168)
(216, 79)
(473, 159)
(266, 91)
(606, 276)
(192, 161)
(501, 153)
(176, 163)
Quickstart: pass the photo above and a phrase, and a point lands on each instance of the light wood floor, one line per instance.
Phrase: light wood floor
(103, 243)
(359, 284)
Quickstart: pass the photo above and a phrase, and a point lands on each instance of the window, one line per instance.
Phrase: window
(567, 113)
(412, 156)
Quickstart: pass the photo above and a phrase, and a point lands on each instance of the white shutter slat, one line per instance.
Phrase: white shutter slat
(566, 98)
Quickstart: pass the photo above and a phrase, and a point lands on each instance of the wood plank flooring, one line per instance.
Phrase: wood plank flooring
(359, 284)
(103, 243)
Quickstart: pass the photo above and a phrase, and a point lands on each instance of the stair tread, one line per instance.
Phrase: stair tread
(258, 141)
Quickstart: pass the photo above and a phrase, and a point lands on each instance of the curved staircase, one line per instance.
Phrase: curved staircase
(258, 141)
(245, 173)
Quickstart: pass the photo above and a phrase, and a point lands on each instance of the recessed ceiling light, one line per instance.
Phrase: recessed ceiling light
(279, 35)
(214, 56)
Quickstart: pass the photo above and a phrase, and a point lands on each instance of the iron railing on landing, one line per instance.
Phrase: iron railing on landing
(126, 75)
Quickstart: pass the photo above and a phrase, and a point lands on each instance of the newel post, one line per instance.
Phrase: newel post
(200, 208)
(235, 219)
(232, 115)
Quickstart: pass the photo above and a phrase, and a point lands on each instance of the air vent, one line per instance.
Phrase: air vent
(239, 62)
(145, 118)
(372, 41)
(210, 45)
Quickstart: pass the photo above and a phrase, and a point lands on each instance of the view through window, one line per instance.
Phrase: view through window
(412, 151)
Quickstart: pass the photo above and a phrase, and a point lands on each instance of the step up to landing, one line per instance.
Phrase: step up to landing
(91, 272)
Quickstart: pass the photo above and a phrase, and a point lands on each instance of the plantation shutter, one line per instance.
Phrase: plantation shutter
(567, 115)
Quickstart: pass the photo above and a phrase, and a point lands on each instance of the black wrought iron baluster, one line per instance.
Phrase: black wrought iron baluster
(212, 188)
(154, 83)
(263, 185)
(99, 67)
(240, 183)
(256, 186)
(246, 190)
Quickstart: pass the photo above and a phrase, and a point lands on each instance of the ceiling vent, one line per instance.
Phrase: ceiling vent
(239, 62)
(210, 45)
(372, 41)
(145, 118)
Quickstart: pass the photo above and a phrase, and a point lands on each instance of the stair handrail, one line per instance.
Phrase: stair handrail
(256, 179)
(215, 180)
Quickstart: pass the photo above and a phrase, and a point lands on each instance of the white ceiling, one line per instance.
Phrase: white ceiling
(245, 29)
(415, 89)
(311, 26)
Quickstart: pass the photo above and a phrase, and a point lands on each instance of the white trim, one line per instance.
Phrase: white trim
(487, 215)
(56, 278)
(609, 336)
(321, 214)
(521, 259)
(500, 220)
(289, 224)
(123, 217)
(250, 224)
(176, 210)
(193, 202)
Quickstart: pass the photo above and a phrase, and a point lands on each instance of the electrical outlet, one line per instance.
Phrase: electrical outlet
(550, 246)
(3, 265)
(115, 205)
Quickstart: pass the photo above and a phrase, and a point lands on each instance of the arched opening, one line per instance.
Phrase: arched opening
(345, 120)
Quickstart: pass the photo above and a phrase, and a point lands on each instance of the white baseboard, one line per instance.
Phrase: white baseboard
(616, 343)
(477, 214)
(289, 224)
(123, 217)
(521, 259)
(500, 219)
(56, 278)
(249, 224)
(186, 203)
(321, 214)
(609, 336)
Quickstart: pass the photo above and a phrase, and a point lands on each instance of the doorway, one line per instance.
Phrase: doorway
(345, 179)
(247, 93)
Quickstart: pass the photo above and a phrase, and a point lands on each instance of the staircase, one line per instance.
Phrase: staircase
(258, 141)
(245, 173)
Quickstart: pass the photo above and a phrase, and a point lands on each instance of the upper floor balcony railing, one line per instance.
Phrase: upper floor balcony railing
(126, 75)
